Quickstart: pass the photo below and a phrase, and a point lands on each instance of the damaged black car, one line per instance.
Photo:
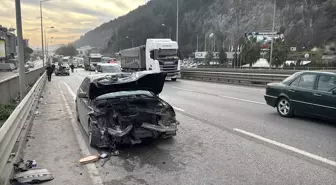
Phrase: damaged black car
(124, 108)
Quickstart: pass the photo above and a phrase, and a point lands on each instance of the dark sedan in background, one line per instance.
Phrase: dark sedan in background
(308, 93)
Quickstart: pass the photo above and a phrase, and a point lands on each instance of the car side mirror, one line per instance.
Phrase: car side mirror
(82, 95)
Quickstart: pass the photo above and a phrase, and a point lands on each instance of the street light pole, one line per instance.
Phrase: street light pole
(177, 21)
(20, 47)
(41, 16)
(271, 54)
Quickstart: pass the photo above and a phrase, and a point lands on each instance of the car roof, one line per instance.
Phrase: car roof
(320, 72)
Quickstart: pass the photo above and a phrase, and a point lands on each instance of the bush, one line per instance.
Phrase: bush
(6, 111)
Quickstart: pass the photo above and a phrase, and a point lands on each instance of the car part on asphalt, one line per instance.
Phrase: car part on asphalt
(89, 159)
(33, 176)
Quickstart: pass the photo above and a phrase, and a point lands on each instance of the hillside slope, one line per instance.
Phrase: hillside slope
(307, 23)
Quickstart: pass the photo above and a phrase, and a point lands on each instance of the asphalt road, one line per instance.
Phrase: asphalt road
(5, 75)
(228, 135)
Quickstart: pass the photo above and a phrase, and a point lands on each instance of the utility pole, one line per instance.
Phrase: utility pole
(42, 32)
(20, 47)
(214, 43)
(271, 54)
(197, 43)
(177, 21)
(205, 42)
(45, 46)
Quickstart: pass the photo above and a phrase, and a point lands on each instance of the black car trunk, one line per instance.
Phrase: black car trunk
(148, 81)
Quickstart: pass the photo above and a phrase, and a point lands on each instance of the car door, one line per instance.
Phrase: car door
(84, 104)
(325, 101)
(301, 93)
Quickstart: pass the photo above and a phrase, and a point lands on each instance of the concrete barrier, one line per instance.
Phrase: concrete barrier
(10, 89)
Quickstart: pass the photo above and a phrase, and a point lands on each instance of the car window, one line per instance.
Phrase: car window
(307, 81)
(85, 85)
(296, 82)
(326, 83)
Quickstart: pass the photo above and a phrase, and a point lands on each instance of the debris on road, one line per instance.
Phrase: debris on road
(103, 155)
(37, 113)
(89, 159)
(34, 175)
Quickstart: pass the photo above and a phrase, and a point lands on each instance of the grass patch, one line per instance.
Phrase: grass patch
(6, 111)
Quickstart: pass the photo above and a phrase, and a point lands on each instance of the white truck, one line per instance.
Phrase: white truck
(159, 55)
(91, 61)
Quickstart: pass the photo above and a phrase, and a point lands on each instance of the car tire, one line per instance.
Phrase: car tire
(174, 79)
(284, 107)
(94, 135)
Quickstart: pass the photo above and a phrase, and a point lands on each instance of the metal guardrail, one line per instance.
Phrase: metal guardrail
(12, 130)
(259, 71)
(230, 77)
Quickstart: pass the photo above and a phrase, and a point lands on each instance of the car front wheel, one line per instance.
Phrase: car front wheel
(284, 108)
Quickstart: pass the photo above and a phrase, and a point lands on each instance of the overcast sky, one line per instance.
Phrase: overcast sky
(71, 18)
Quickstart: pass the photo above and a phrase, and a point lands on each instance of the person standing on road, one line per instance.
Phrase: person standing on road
(72, 66)
(49, 70)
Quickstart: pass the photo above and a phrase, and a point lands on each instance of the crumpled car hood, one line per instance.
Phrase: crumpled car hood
(144, 80)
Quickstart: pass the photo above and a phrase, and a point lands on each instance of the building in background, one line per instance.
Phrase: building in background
(8, 44)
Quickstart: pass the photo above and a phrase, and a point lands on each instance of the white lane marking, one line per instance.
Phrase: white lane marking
(92, 169)
(222, 96)
(179, 109)
(71, 92)
(287, 147)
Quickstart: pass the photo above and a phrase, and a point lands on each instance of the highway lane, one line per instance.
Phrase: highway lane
(5, 75)
(315, 136)
(207, 149)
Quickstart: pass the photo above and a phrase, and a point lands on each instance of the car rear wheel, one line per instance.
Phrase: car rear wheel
(284, 108)
(174, 79)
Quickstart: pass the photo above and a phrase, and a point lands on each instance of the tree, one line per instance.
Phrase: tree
(222, 56)
(209, 57)
(280, 53)
(67, 50)
(251, 51)
(27, 52)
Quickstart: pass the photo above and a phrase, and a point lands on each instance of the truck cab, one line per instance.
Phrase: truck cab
(163, 55)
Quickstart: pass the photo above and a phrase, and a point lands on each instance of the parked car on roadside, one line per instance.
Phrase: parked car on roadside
(308, 93)
(124, 108)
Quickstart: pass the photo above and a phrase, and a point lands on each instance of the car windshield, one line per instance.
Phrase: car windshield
(240, 92)
(110, 69)
(167, 53)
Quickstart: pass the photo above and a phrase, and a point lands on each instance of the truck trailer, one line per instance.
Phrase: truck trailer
(159, 55)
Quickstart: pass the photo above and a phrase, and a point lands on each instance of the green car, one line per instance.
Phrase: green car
(308, 93)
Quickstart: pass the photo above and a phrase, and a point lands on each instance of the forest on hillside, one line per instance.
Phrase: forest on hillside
(306, 23)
